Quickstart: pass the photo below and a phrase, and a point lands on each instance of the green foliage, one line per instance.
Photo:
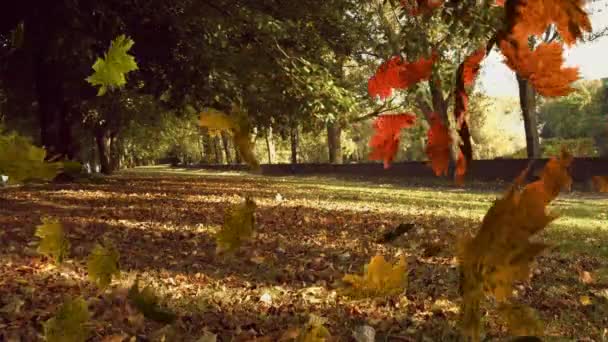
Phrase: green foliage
(238, 227)
(53, 243)
(68, 325)
(146, 302)
(110, 71)
(21, 161)
(102, 264)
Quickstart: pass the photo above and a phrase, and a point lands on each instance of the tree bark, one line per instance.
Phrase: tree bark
(103, 149)
(218, 150)
(334, 143)
(226, 144)
(293, 135)
(527, 102)
(270, 148)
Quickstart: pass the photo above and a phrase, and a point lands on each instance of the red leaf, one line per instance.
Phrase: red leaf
(398, 74)
(500, 3)
(471, 66)
(543, 67)
(461, 169)
(385, 141)
(438, 146)
(418, 7)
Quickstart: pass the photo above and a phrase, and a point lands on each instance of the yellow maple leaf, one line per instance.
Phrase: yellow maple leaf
(53, 242)
(521, 320)
(215, 120)
(380, 278)
(238, 226)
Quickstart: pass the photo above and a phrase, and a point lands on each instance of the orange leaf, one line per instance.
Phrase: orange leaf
(569, 17)
(471, 66)
(438, 146)
(398, 74)
(543, 67)
(461, 169)
(419, 7)
(600, 183)
(385, 141)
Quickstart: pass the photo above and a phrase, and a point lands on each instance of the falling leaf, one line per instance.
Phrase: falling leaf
(111, 71)
(438, 146)
(68, 324)
(315, 331)
(380, 278)
(21, 161)
(53, 243)
(215, 120)
(102, 264)
(543, 67)
(238, 227)
(207, 337)
(501, 252)
(385, 141)
(399, 74)
(421, 7)
(521, 320)
(146, 302)
(600, 183)
(471, 66)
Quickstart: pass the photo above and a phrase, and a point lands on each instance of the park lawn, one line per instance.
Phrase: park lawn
(310, 232)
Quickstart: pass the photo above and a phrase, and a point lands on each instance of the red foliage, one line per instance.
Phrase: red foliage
(438, 146)
(385, 141)
(461, 169)
(398, 74)
(500, 3)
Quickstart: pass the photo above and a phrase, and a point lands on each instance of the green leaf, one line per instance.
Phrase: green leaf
(21, 161)
(53, 243)
(110, 71)
(68, 325)
(146, 302)
(102, 264)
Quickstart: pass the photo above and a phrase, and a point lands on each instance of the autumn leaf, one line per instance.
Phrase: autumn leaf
(68, 324)
(102, 264)
(521, 320)
(53, 243)
(146, 301)
(238, 226)
(385, 141)
(501, 252)
(111, 70)
(438, 146)
(533, 18)
(421, 7)
(215, 120)
(471, 66)
(21, 161)
(461, 169)
(399, 74)
(600, 183)
(543, 67)
(380, 278)
(314, 331)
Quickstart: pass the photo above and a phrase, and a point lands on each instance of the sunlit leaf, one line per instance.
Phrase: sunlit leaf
(238, 227)
(438, 146)
(53, 243)
(110, 71)
(385, 141)
(380, 278)
(102, 264)
(146, 301)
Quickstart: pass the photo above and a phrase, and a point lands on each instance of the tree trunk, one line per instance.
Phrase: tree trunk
(334, 143)
(218, 150)
(270, 145)
(103, 149)
(527, 102)
(226, 145)
(114, 155)
(208, 147)
(293, 135)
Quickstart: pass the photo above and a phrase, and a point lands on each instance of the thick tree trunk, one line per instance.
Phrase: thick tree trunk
(103, 149)
(293, 135)
(527, 102)
(226, 145)
(208, 148)
(270, 145)
(334, 143)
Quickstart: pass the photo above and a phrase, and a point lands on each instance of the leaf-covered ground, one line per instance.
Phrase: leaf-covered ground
(310, 232)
